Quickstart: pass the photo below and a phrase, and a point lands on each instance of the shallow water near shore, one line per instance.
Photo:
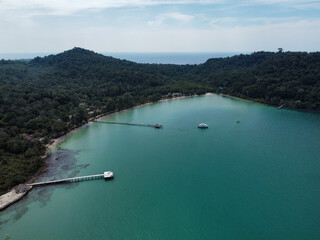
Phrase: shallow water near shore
(257, 179)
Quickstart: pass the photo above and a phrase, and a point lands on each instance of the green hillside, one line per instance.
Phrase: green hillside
(46, 97)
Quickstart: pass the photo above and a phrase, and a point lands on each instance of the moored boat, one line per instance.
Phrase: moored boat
(203, 125)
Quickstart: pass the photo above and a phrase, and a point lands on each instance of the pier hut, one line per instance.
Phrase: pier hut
(108, 175)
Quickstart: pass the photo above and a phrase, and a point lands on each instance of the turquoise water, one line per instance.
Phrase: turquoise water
(257, 179)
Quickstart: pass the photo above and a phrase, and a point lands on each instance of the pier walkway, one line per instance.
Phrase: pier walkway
(132, 124)
(105, 175)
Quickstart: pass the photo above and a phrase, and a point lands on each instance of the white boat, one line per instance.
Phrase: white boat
(203, 125)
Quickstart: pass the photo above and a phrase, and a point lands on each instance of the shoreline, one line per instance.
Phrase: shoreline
(12, 197)
(280, 107)
(238, 98)
(9, 198)
(56, 142)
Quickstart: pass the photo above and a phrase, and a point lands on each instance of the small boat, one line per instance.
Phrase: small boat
(203, 125)
(158, 125)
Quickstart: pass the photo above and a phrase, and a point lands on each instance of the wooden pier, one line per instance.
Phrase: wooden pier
(132, 124)
(105, 175)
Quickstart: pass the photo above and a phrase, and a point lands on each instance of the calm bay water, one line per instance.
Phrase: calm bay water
(257, 179)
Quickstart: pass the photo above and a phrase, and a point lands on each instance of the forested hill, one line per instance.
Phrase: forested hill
(46, 97)
(288, 79)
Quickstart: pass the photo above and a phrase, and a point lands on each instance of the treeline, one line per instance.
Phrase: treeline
(288, 79)
(47, 97)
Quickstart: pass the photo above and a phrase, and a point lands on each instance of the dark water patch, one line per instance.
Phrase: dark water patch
(62, 163)
(65, 167)
(78, 169)
(43, 195)
(20, 208)
(3, 222)
(70, 185)
(17, 210)
(20, 212)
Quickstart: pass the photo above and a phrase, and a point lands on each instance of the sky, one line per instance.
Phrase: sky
(52, 26)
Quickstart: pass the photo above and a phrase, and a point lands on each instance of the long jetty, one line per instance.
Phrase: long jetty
(105, 175)
(132, 124)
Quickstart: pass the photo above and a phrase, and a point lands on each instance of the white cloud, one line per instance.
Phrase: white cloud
(294, 36)
(216, 21)
(298, 4)
(250, 21)
(69, 7)
(21, 31)
(160, 19)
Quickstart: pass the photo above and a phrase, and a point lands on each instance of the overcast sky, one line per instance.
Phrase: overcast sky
(159, 25)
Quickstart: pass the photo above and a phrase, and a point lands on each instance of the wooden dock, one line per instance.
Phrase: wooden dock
(132, 124)
(105, 175)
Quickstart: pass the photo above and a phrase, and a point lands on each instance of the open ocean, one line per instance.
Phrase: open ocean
(162, 58)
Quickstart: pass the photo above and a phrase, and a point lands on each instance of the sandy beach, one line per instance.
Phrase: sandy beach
(11, 197)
